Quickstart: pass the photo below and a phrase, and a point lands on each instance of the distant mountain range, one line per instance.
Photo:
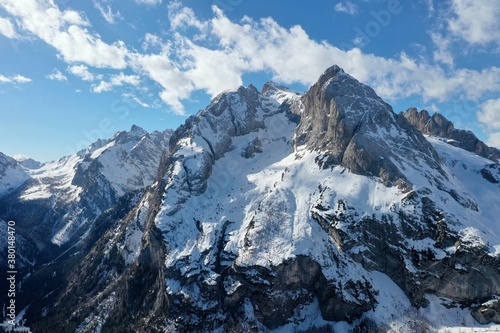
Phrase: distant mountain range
(268, 211)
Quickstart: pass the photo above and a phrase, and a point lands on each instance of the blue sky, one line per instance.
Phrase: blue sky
(74, 71)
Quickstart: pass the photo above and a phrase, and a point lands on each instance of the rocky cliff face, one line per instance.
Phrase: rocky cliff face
(276, 211)
(117, 279)
(351, 126)
(438, 125)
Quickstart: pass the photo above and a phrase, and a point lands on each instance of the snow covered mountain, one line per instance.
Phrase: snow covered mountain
(12, 175)
(74, 190)
(350, 192)
(275, 211)
(56, 205)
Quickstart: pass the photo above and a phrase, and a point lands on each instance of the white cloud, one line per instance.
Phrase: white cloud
(180, 16)
(489, 116)
(217, 59)
(151, 41)
(20, 79)
(82, 72)
(430, 6)
(67, 32)
(4, 79)
(148, 2)
(14, 79)
(7, 28)
(141, 103)
(101, 87)
(476, 21)
(135, 99)
(56, 75)
(494, 140)
(254, 46)
(107, 13)
(115, 81)
(346, 7)
(433, 107)
(175, 84)
(121, 79)
(443, 53)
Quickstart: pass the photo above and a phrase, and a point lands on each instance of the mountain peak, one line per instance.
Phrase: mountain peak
(281, 93)
(333, 71)
(134, 134)
(436, 124)
(355, 128)
(270, 87)
(12, 174)
(27, 162)
(336, 84)
(137, 130)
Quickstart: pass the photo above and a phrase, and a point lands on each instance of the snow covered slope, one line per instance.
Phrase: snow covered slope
(479, 177)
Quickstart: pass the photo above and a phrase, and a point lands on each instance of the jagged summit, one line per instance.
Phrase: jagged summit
(333, 71)
(135, 133)
(270, 88)
(282, 94)
(330, 73)
(137, 130)
(438, 125)
(336, 83)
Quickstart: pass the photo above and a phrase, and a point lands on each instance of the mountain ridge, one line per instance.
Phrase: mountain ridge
(438, 125)
(275, 211)
(57, 202)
